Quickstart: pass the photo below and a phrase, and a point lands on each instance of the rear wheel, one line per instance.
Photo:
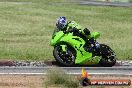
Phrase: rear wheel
(64, 58)
(108, 56)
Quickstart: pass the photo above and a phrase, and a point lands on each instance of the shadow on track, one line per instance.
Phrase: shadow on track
(53, 63)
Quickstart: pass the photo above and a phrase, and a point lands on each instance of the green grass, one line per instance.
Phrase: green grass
(58, 77)
(26, 27)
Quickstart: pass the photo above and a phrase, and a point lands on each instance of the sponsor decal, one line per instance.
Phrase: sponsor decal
(85, 81)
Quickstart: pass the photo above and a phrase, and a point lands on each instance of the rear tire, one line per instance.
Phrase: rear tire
(108, 56)
(62, 58)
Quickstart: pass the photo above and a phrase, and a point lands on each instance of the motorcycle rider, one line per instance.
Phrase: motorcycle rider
(72, 26)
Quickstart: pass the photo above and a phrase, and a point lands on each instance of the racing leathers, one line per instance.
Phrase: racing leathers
(84, 33)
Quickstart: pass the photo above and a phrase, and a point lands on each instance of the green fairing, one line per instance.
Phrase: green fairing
(78, 45)
(63, 48)
(56, 37)
(82, 57)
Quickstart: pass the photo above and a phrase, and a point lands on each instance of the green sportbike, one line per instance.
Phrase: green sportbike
(73, 49)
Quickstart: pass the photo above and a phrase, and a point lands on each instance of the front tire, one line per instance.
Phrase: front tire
(64, 58)
(108, 56)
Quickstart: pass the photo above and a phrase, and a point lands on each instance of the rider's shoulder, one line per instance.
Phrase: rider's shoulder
(72, 22)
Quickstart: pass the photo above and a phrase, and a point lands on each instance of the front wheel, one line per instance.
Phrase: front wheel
(108, 56)
(64, 58)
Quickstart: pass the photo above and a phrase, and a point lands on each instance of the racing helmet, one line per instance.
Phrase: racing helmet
(61, 23)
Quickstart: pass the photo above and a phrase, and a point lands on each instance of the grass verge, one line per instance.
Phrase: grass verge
(58, 77)
(26, 27)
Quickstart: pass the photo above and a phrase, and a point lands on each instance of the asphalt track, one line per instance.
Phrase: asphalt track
(120, 70)
(40, 67)
(99, 3)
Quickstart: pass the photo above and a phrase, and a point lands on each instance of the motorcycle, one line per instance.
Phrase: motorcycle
(73, 49)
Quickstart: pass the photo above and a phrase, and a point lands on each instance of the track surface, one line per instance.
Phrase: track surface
(126, 70)
(99, 3)
(41, 67)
